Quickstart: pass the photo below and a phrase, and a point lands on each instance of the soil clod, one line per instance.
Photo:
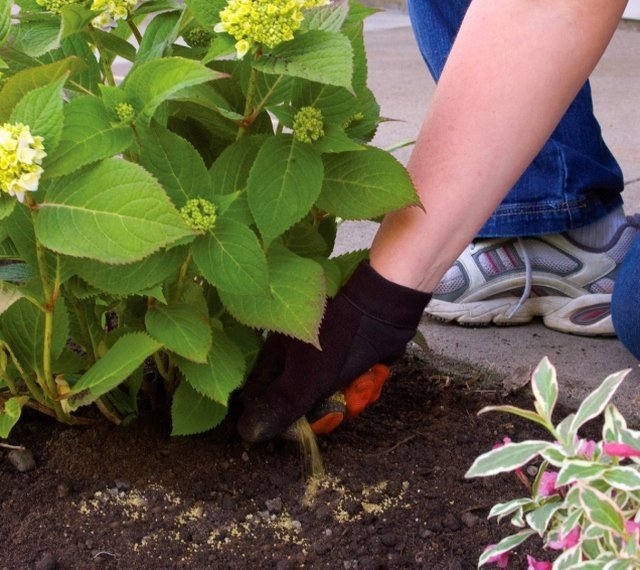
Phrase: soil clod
(22, 460)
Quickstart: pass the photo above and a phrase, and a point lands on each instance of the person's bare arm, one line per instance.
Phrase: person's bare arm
(513, 71)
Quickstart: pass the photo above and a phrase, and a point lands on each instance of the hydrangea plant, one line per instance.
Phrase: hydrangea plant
(171, 176)
(585, 499)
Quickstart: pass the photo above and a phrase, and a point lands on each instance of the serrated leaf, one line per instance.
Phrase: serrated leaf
(230, 171)
(320, 56)
(206, 12)
(130, 279)
(336, 103)
(304, 239)
(335, 140)
(348, 262)
(230, 258)
(38, 37)
(114, 212)
(41, 109)
(544, 385)
(192, 412)
(158, 36)
(75, 19)
(294, 303)
(5, 20)
(7, 204)
(25, 81)
(364, 184)
(506, 458)
(505, 545)
(593, 405)
(601, 510)
(23, 326)
(283, 184)
(181, 328)
(155, 81)
(10, 414)
(125, 356)
(114, 44)
(177, 165)
(222, 373)
(88, 135)
(328, 18)
(9, 294)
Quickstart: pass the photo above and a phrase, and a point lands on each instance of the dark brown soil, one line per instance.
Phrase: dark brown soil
(129, 498)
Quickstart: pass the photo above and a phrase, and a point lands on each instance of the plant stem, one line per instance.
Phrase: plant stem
(33, 388)
(135, 30)
(182, 276)
(262, 103)
(107, 412)
(248, 107)
(157, 358)
(84, 327)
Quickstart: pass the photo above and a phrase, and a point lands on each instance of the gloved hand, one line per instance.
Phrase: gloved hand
(370, 321)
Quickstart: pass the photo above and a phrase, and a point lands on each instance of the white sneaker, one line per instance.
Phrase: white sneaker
(511, 281)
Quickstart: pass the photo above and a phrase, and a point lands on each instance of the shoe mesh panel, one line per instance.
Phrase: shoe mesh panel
(452, 281)
(604, 285)
(509, 258)
(619, 250)
(547, 258)
(488, 264)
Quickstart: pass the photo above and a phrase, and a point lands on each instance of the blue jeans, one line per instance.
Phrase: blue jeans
(625, 306)
(574, 181)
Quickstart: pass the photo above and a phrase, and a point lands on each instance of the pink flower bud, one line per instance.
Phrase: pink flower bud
(547, 484)
(631, 526)
(587, 448)
(616, 449)
(534, 564)
(568, 541)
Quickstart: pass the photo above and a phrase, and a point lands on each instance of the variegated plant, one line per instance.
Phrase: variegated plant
(585, 499)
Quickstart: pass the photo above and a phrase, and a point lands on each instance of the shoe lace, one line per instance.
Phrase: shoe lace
(527, 269)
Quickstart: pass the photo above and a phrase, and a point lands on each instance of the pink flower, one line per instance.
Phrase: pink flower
(548, 484)
(568, 541)
(534, 564)
(500, 560)
(631, 526)
(587, 448)
(616, 449)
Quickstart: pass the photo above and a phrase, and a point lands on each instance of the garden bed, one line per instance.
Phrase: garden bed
(396, 497)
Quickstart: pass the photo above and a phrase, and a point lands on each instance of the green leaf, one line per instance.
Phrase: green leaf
(601, 510)
(614, 423)
(90, 76)
(23, 326)
(304, 239)
(625, 478)
(127, 354)
(506, 458)
(545, 388)
(38, 37)
(527, 414)
(320, 56)
(555, 455)
(230, 258)
(92, 214)
(570, 558)
(9, 294)
(329, 18)
(177, 165)
(7, 204)
(41, 109)
(88, 135)
(130, 279)
(504, 509)
(161, 32)
(579, 470)
(364, 184)
(335, 140)
(75, 19)
(336, 103)
(114, 44)
(10, 414)
(155, 81)
(181, 328)
(348, 262)
(505, 545)
(206, 12)
(19, 272)
(25, 81)
(593, 405)
(222, 44)
(223, 372)
(295, 302)
(284, 182)
(192, 412)
(5, 21)
(230, 171)
(540, 518)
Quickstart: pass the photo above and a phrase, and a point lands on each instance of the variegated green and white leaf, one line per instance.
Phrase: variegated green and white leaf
(555, 455)
(505, 545)
(578, 469)
(504, 509)
(601, 510)
(613, 423)
(544, 384)
(539, 519)
(568, 558)
(625, 478)
(506, 458)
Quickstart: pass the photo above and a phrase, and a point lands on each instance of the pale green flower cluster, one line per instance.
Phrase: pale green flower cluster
(308, 125)
(124, 111)
(54, 5)
(265, 22)
(21, 155)
(199, 214)
(110, 12)
(198, 37)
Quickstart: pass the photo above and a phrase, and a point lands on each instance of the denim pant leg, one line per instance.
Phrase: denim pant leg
(575, 180)
(625, 305)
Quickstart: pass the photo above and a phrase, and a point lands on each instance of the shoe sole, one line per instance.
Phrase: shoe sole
(587, 315)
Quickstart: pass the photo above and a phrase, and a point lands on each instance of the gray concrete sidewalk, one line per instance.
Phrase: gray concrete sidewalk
(403, 87)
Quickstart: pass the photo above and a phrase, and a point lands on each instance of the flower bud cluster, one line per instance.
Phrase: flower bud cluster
(54, 5)
(266, 22)
(111, 12)
(124, 111)
(308, 125)
(199, 214)
(198, 37)
(21, 155)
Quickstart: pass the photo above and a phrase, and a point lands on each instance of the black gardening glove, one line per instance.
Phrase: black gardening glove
(370, 321)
